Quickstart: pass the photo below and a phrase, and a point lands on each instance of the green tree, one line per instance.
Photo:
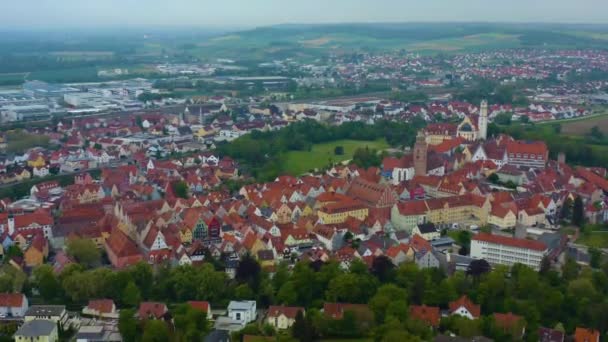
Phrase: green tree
(524, 119)
(384, 297)
(493, 178)
(127, 325)
(596, 257)
(180, 189)
(47, 283)
(339, 150)
(131, 295)
(84, 251)
(578, 212)
(301, 330)
(155, 331)
(190, 323)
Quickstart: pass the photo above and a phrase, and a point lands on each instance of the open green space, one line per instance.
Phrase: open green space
(321, 155)
(594, 239)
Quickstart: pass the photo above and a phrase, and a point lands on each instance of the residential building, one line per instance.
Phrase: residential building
(54, 313)
(430, 315)
(427, 230)
(37, 330)
(527, 154)
(550, 335)
(242, 311)
(282, 317)
(98, 333)
(335, 213)
(586, 335)
(152, 310)
(202, 306)
(13, 305)
(503, 250)
(101, 308)
(464, 307)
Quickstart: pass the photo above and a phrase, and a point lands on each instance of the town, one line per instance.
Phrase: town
(385, 196)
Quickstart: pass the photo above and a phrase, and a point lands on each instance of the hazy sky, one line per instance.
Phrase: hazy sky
(245, 13)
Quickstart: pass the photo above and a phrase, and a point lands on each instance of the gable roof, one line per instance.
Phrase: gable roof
(427, 314)
(464, 301)
(101, 305)
(288, 311)
(336, 310)
(586, 335)
(152, 309)
(11, 300)
(200, 305)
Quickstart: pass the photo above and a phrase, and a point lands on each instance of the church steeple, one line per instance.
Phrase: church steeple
(420, 155)
(483, 120)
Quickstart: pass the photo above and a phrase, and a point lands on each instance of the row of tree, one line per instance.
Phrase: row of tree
(573, 297)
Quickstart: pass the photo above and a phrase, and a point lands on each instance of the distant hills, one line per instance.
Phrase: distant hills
(310, 40)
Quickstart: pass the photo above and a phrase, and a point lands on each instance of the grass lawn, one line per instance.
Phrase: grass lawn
(597, 239)
(321, 155)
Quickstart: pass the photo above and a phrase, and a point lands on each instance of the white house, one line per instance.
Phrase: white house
(464, 307)
(40, 171)
(13, 305)
(242, 311)
(282, 317)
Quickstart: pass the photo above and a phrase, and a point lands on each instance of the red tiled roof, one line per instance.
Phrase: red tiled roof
(336, 310)
(101, 305)
(513, 242)
(586, 335)
(427, 314)
(200, 305)
(412, 208)
(12, 300)
(288, 311)
(506, 321)
(152, 309)
(523, 147)
(464, 301)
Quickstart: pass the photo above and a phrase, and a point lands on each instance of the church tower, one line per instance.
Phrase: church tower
(483, 120)
(420, 155)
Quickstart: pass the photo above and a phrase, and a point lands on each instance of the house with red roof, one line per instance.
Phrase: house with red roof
(202, 306)
(282, 317)
(101, 308)
(36, 251)
(121, 250)
(511, 324)
(464, 307)
(337, 310)
(152, 310)
(428, 314)
(586, 335)
(13, 304)
(529, 154)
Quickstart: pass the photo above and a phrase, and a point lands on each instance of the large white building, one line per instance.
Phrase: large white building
(502, 250)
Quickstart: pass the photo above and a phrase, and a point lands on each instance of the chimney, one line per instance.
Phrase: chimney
(561, 158)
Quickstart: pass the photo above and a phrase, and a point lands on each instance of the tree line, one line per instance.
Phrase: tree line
(567, 298)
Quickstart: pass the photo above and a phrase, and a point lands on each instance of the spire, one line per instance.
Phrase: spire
(483, 120)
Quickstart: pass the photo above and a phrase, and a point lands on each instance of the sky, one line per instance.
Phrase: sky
(47, 14)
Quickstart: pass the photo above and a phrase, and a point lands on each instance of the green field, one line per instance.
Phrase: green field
(321, 155)
(594, 239)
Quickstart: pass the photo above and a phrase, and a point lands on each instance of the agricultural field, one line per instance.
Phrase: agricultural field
(477, 41)
(321, 155)
(582, 127)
